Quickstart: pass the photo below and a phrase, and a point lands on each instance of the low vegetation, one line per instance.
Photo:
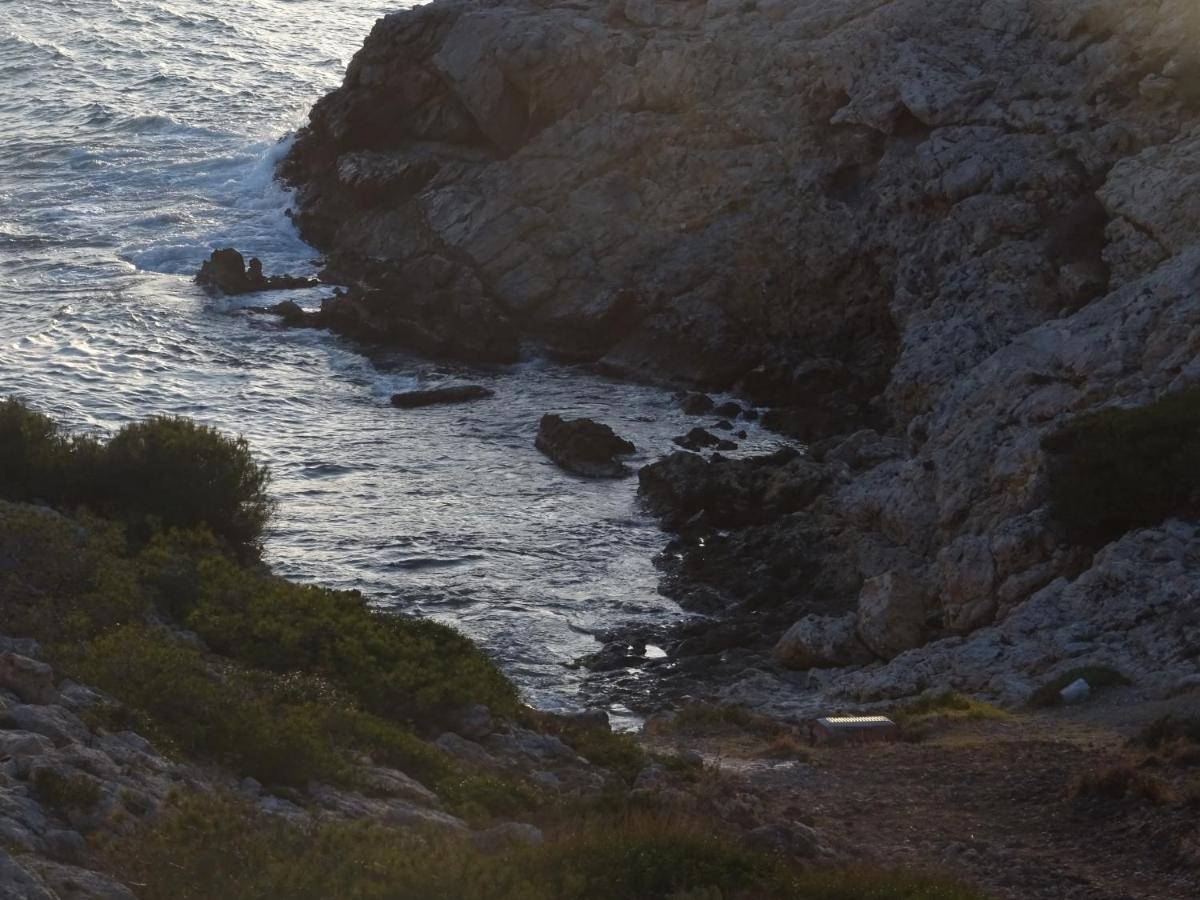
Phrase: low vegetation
(216, 847)
(66, 793)
(718, 718)
(1123, 783)
(1121, 469)
(949, 705)
(1097, 677)
(1170, 729)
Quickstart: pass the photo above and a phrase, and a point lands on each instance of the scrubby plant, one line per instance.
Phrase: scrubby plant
(619, 752)
(1169, 729)
(1097, 677)
(207, 709)
(63, 579)
(398, 667)
(1122, 782)
(214, 847)
(33, 452)
(1121, 469)
(66, 793)
(716, 718)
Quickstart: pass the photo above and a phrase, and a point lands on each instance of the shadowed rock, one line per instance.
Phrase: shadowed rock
(583, 447)
(226, 272)
(464, 393)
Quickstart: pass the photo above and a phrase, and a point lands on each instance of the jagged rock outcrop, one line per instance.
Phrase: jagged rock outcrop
(929, 232)
(226, 272)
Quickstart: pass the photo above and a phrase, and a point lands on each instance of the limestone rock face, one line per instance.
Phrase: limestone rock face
(1133, 610)
(891, 613)
(927, 232)
(30, 680)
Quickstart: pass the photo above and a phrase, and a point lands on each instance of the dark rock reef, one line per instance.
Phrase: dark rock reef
(583, 447)
(226, 272)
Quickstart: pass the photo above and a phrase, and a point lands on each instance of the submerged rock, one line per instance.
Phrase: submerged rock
(699, 439)
(434, 396)
(583, 446)
(226, 272)
(696, 404)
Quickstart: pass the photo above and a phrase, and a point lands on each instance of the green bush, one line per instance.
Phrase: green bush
(216, 713)
(619, 752)
(1168, 729)
(61, 579)
(164, 472)
(173, 472)
(1121, 469)
(33, 453)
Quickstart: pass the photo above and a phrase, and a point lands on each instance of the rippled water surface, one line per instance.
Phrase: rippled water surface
(135, 136)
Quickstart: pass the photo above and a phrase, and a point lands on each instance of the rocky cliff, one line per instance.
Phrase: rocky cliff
(960, 223)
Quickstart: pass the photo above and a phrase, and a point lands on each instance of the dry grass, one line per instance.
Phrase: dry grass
(918, 720)
(1123, 782)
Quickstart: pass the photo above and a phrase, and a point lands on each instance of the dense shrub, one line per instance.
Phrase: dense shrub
(209, 712)
(32, 451)
(1121, 469)
(397, 667)
(164, 472)
(173, 472)
(212, 847)
(618, 752)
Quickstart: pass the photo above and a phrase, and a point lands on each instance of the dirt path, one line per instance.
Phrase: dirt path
(990, 801)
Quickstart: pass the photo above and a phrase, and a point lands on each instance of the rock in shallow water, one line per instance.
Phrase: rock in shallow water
(226, 272)
(583, 446)
(434, 396)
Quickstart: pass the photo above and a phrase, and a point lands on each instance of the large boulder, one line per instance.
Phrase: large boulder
(892, 613)
(32, 681)
(583, 447)
(822, 642)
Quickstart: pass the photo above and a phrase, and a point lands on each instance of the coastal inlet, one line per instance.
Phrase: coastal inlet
(153, 144)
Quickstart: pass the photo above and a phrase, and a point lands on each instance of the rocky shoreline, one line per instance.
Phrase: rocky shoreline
(929, 237)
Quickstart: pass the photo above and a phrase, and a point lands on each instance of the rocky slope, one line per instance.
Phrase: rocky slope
(930, 232)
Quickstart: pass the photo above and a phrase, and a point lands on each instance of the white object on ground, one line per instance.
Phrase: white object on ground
(1076, 691)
